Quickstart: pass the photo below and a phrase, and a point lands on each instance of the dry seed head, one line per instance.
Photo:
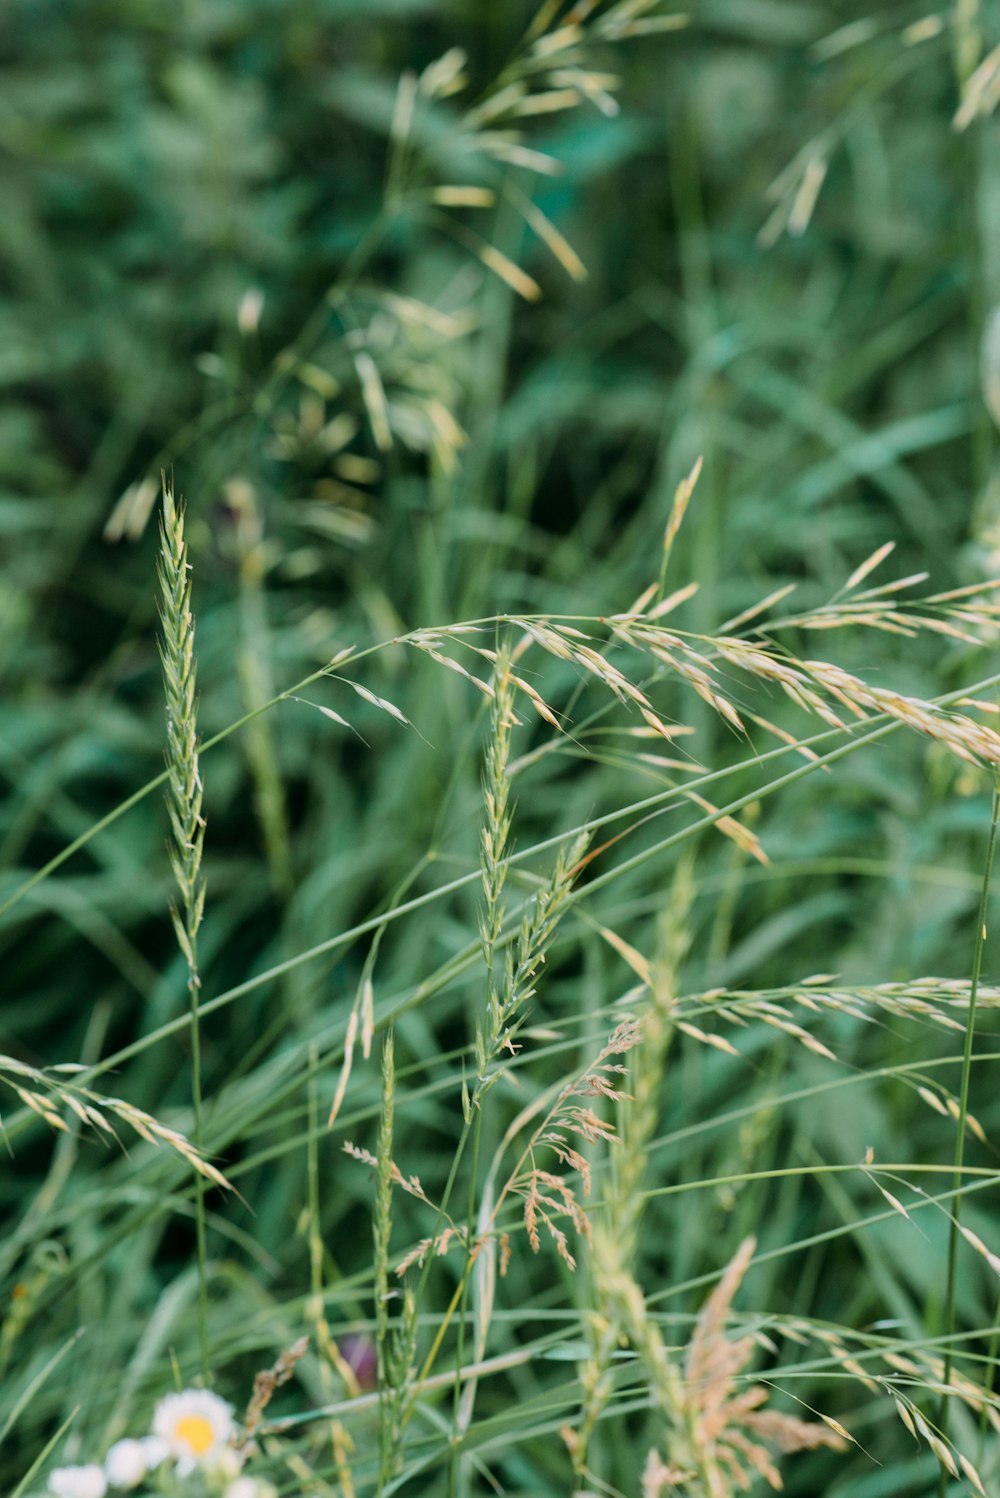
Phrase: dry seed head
(444, 76)
(47, 1093)
(924, 30)
(266, 1383)
(517, 279)
(682, 498)
(807, 195)
(982, 91)
(406, 98)
(345, 1070)
(659, 1476)
(543, 226)
(723, 1421)
(132, 511)
(506, 145)
(437, 1246)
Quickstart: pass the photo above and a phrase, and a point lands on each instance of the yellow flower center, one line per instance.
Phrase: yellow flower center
(196, 1433)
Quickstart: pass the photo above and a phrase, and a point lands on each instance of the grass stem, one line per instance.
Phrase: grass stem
(963, 1113)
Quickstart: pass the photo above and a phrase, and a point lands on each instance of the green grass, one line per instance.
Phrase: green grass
(620, 999)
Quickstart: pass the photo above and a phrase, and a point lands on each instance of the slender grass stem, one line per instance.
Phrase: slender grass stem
(470, 1227)
(989, 1376)
(387, 1445)
(199, 1187)
(963, 1114)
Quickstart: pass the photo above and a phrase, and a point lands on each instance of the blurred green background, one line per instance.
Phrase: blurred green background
(213, 261)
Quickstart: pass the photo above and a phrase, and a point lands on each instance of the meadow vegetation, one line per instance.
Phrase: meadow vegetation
(499, 534)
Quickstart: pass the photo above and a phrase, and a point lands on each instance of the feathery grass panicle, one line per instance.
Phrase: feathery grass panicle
(509, 992)
(729, 1428)
(682, 498)
(54, 1089)
(524, 959)
(507, 1001)
(266, 1384)
(569, 1123)
(187, 825)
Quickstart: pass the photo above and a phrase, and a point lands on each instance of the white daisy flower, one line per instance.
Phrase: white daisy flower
(78, 1482)
(250, 1487)
(154, 1451)
(227, 1464)
(196, 1427)
(125, 1464)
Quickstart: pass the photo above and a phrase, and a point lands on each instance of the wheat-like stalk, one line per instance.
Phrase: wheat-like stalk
(494, 859)
(187, 825)
(184, 787)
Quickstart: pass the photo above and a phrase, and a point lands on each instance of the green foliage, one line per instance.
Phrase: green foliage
(425, 330)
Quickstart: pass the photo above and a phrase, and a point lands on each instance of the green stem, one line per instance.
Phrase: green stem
(453, 1460)
(963, 1113)
(199, 1180)
(989, 1378)
(387, 1440)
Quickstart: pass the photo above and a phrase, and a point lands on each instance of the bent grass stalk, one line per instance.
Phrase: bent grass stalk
(355, 657)
(187, 825)
(886, 725)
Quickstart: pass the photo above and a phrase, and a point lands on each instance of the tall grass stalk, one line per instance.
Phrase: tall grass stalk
(382, 1224)
(494, 864)
(619, 1309)
(951, 1281)
(187, 825)
(394, 1344)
